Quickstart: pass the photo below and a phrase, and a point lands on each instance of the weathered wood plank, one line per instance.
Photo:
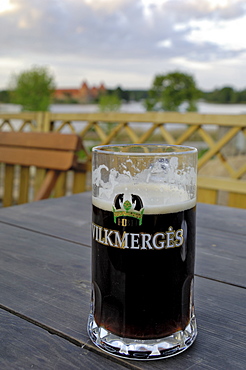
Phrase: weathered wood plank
(76, 209)
(53, 140)
(69, 218)
(220, 257)
(24, 345)
(216, 257)
(48, 280)
(59, 160)
(210, 260)
(41, 273)
(221, 218)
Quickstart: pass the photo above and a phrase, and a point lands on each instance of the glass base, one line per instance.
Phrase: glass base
(138, 349)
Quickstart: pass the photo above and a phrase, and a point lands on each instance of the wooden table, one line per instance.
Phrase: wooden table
(45, 290)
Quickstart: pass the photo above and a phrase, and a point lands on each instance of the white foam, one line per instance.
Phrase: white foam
(157, 198)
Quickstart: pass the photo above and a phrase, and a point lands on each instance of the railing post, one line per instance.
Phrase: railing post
(39, 120)
(47, 122)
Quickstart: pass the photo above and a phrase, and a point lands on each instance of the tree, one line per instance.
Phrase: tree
(33, 89)
(227, 95)
(242, 96)
(169, 91)
(4, 96)
(109, 102)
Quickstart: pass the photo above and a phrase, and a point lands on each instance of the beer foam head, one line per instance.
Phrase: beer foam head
(163, 185)
(156, 198)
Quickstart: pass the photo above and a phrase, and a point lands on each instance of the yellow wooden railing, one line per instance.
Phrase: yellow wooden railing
(221, 140)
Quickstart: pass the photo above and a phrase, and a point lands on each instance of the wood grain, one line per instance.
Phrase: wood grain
(193, 123)
(47, 185)
(69, 218)
(221, 218)
(27, 346)
(52, 140)
(52, 159)
(48, 151)
(47, 281)
(77, 208)
(8, 185)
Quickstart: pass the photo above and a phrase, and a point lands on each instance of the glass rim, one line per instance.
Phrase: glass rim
(108, 149)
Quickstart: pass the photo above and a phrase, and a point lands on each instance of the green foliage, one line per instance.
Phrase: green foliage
(4, 96)
(33, 89)
(81, 154)
(169, 91)
(127, 95)
(121, 94)
(225, 95)
(109, 102)
(201, 152)
(138, 95)
(228, 95)
(241, 96)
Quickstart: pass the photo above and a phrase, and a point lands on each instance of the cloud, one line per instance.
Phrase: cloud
(89, 28)
(108, 31)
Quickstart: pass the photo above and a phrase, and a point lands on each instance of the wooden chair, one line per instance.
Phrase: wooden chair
(53, 152)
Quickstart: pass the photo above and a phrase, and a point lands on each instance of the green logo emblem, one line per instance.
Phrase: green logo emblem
(125, 208)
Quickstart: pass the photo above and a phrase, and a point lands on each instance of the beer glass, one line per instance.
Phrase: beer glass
(143, 249)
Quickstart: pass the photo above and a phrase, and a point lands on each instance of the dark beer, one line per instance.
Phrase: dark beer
(143, 266)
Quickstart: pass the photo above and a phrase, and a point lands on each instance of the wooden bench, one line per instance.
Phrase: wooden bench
(52, 152)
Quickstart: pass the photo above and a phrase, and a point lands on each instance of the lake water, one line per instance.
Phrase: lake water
(132, 107)
(138, 107)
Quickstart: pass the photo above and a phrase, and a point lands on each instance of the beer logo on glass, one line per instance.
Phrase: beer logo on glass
(128, 212)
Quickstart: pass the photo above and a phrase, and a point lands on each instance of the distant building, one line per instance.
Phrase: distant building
(84, 94)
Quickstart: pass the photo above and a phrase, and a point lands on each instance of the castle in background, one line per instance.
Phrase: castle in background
(84, 94)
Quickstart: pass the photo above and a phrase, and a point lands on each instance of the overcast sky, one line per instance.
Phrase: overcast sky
(125, 42)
